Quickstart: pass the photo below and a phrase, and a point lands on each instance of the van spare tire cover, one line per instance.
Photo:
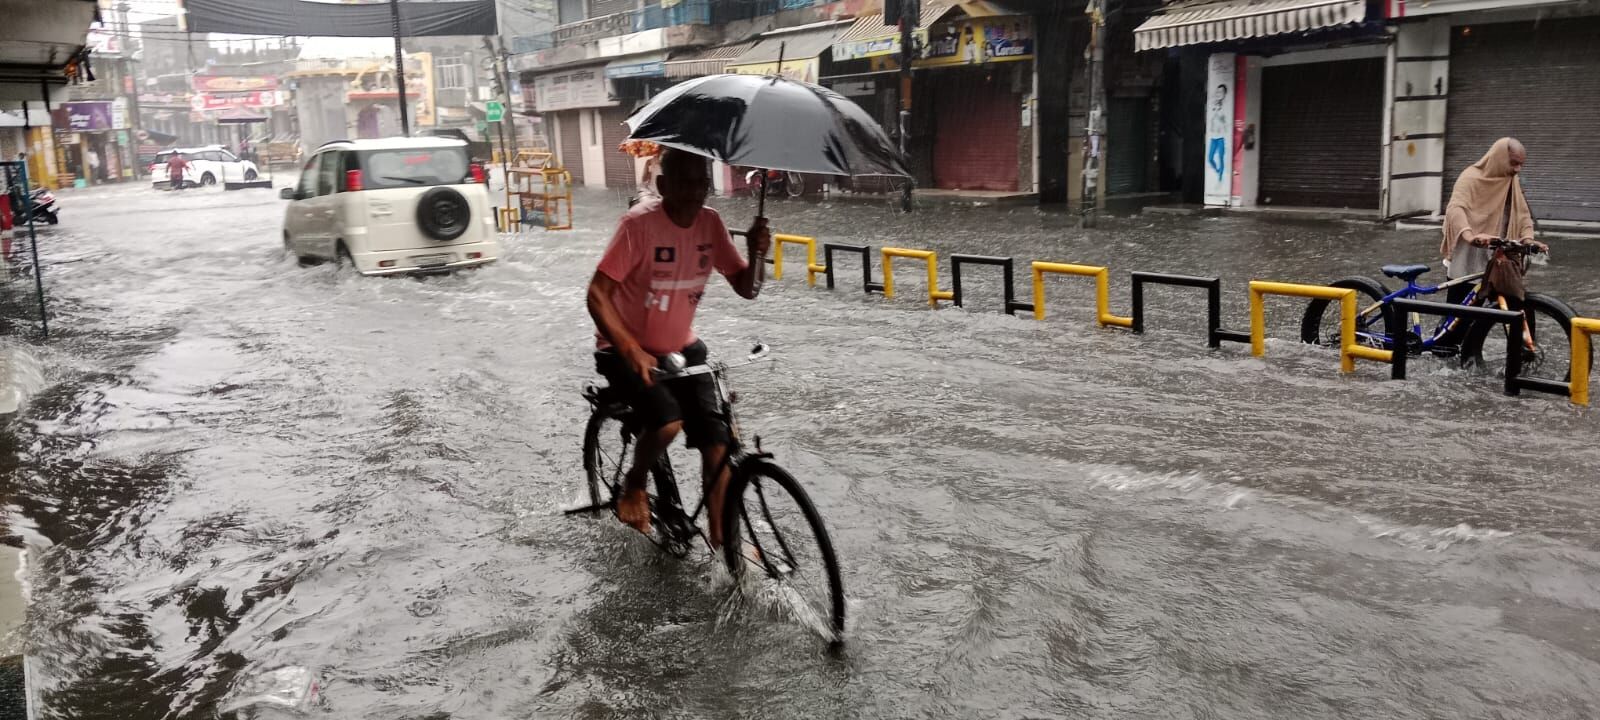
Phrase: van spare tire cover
(443, 213)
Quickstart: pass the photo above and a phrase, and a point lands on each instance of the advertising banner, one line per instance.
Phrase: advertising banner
(971, 41)
(1219, 128)
(206, 102)
(804, 69)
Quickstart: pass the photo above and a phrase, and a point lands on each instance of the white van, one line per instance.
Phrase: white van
(397, 205)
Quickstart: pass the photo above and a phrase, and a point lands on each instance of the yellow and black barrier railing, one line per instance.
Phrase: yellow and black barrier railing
(1350, 348)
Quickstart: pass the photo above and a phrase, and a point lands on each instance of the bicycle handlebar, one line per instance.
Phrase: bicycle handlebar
(1518, 245)
(676, 369)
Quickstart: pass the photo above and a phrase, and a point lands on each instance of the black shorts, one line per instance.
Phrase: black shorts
(691, 399)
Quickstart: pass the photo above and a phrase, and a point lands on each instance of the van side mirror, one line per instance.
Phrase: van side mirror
(288, 194)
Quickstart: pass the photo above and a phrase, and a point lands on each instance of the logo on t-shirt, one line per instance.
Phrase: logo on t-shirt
(665, 253)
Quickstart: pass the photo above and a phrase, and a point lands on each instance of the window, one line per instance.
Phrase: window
(412, 168)
(571, 11)
(327, 173)
(450, 72)
(228, 156)
(212, 155)
(308, 179)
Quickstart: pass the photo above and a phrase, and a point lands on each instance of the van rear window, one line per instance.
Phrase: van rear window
(414, 168)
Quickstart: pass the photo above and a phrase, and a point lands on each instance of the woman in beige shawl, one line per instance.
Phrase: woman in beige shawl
(1487, 204)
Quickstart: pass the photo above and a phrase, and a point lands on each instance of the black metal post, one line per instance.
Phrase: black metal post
(909, 16)
(1514, 383)
(1213, 287)
(867, 285)
(1005, 263)
(400, 70)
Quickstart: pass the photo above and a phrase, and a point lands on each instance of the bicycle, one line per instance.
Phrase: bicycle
(1475, 344)
(759, 528)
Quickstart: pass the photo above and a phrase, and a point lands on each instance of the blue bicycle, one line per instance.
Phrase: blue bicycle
(1546, 354)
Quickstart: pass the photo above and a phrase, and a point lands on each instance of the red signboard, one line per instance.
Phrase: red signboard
(205, 102)
(233, 84)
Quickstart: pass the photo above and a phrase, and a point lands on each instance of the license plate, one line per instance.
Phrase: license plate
(430, 260)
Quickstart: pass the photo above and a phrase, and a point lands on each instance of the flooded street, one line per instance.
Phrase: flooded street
(241, 464)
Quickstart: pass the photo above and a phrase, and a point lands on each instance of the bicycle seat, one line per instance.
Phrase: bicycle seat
(1405, 272)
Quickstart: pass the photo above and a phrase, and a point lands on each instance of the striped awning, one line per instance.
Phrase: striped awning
(1198, 23)
(710, 61)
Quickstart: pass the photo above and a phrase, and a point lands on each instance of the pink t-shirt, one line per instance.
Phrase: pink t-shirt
(661, 272)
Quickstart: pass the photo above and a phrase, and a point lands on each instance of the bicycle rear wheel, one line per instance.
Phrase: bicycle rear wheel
(607, 450)
(774, 538)
(1320, 324)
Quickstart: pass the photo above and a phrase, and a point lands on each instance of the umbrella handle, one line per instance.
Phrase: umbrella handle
(761, 203)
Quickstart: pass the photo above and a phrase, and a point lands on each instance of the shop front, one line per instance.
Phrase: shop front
(576, 104)
(1294, 106)
(92, 142)
(970, 128)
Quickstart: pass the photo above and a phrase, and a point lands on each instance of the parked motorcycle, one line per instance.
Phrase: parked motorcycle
(43, 206)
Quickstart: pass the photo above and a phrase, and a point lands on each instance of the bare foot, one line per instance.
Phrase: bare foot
(633, 508)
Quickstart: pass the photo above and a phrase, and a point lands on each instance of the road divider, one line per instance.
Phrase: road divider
(928, 257)
(1102, 290)
(1576, 388)
(810, 244)
(1349, 350)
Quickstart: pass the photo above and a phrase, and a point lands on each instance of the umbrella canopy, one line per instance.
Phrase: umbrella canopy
(768, 122)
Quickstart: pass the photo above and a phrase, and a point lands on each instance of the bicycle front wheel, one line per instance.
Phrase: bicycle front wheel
(775, 542)
(1545, 340)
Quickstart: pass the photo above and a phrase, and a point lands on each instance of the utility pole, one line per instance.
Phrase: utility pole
(400, 70)
(908, 14)
(1093, 143)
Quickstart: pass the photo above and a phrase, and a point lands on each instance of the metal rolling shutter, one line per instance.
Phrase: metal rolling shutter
(1539, 83)
(975, 147)
(1128, 145)
(619, 165)
(1321, 134)
(571, 144)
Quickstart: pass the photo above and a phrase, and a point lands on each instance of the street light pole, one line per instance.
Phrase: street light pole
(400, 70)
(910, 15)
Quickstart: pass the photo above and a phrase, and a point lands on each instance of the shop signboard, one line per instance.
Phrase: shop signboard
(119, 113)
(572, 90)
(202, 102)
(233, 84)
(804, 69)
(81, 116)
(975, 41)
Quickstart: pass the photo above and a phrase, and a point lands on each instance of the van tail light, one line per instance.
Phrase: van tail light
(478, 175)
(352, 180)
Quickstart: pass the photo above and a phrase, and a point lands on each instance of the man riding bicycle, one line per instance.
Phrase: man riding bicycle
(643, 298)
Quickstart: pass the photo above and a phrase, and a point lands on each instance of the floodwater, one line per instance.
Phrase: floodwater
(242, 464)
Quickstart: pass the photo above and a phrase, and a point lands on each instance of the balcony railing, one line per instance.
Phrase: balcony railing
(688, 12)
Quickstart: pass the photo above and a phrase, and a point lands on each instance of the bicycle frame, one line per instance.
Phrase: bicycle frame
(1412, 290)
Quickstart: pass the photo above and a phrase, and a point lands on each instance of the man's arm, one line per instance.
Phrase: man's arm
(758, 240)
(609, 321)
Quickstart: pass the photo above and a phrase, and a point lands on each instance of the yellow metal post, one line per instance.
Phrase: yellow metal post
(1582, 328)
(1102, 288)
(811, 256)
(927, 256)
(1349, 351)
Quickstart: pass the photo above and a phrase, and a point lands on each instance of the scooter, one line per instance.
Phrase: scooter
(43, 206)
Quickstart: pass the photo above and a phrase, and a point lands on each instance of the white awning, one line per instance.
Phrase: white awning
(1197, 23)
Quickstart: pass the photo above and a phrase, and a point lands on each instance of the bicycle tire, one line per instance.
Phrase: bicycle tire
(1555, 366)
(593, 463)
(1311, 324)
(738, 530)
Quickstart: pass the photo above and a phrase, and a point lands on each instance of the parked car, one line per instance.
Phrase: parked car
(208, 165)
(391, 206)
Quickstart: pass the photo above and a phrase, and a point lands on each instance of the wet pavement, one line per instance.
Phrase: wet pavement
(242, 463)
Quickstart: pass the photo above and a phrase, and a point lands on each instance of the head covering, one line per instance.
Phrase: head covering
(1478, 203)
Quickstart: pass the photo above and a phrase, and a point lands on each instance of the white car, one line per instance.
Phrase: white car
(391, 206)
(208, 165)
